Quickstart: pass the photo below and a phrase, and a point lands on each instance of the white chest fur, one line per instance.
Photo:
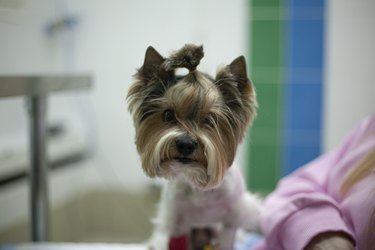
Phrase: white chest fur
(227, 207)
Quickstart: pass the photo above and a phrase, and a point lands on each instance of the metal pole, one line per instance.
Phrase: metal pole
(38, 170)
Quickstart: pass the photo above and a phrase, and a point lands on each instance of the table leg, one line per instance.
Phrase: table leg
(38, 171)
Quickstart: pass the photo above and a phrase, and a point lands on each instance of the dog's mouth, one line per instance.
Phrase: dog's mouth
(184, 160)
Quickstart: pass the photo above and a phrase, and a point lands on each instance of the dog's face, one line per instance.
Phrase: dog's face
(189, 126)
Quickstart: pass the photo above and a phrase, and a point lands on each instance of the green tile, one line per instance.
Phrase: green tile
(266, 3)
(266, 75)
(266, 13)
(269, 101)
(264, 168)
(265, 141)
(266, 44)
(266, 72)
(264, 136)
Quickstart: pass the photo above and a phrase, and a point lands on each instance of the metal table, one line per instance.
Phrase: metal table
(36, 88)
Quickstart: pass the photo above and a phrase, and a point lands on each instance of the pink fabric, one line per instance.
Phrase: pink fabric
(308, 201)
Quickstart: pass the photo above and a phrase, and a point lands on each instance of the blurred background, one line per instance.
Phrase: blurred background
(312, 63)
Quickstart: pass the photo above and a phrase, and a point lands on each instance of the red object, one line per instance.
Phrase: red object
(178, 243)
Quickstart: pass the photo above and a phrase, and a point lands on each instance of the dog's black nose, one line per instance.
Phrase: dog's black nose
(186, 146)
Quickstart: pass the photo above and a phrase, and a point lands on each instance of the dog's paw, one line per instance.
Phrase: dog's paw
(152, 246)
(158, 242)
(247, 212)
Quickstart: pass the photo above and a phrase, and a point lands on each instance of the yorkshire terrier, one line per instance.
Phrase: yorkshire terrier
(188, 128)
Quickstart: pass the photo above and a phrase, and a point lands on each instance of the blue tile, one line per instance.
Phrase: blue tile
(311, 13)
(297, 156)
(305, 10)
(305, 48)
(303, 76)
(303, 82)
(303, 106)
(306, 3)
(302, 137)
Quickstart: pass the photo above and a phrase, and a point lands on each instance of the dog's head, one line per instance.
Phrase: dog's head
(189, 126)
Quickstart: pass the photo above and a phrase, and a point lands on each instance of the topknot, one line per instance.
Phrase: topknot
(187, 57)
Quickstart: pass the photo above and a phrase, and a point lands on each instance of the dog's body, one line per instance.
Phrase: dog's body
(224, 208)
(187, 131)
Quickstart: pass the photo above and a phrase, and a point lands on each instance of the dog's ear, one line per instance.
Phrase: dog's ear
(238, 95)
(233, 80)
(238, 68)
(236, 88)
(152, 58)
(152, 65)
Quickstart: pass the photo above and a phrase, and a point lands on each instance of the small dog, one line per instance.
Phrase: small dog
(187, 131)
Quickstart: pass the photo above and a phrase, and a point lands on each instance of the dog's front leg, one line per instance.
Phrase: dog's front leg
(227, 236)
(165, 220)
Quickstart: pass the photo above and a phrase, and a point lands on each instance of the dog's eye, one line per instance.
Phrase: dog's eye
(210, 121)
(168, 116)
